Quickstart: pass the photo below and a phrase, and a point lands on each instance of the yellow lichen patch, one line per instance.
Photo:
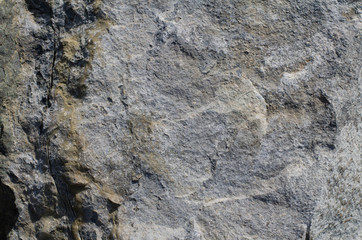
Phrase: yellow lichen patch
(78, 53)
(109, 193)
(68, 117)
(75, 229)
(73, 143)
(115, 234)
(145, 145)
(94, 34)
(70, 46)
(48, 229)
(72, 71)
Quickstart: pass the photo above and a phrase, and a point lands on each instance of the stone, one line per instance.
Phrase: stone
(180, 119)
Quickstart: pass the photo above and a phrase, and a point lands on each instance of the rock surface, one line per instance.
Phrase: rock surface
(180, 119)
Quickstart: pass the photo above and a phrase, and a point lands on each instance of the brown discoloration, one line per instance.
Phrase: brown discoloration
(71, 74)
(145, 145)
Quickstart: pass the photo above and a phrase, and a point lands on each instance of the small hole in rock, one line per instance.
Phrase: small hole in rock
(9, 212)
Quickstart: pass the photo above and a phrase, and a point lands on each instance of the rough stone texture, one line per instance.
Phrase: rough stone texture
(180, 119)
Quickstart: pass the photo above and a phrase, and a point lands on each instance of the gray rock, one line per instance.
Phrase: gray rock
(180, 119)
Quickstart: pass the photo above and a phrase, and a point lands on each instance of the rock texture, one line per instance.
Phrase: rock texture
(180, 119)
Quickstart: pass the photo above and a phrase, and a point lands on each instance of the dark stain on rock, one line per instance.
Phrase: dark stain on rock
(41, 9)
(72, 18)
(5, 141)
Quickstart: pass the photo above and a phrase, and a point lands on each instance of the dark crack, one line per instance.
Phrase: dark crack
(51, 82)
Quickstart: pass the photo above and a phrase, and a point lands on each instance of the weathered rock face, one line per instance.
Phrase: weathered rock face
(180, 119)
